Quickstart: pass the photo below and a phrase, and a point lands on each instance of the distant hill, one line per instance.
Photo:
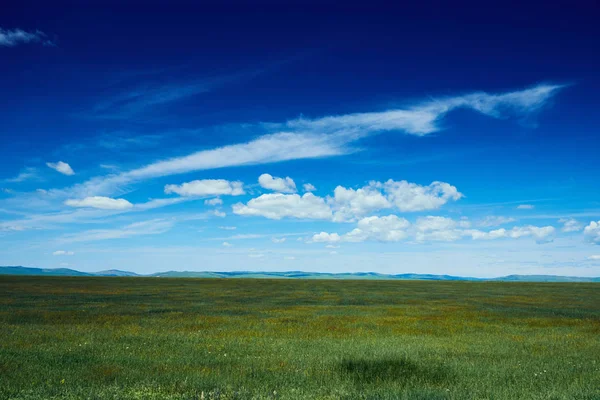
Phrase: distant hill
(289, 275)
(115, 272)
(41, 271)
(544, 278)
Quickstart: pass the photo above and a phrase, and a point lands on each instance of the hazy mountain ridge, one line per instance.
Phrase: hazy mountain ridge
(18, 270)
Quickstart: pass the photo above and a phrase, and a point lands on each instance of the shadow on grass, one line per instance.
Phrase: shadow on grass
(401, 370)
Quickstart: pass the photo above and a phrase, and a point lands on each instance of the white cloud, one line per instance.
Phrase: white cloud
(278, 240)
(157, 203)
(226, 244)
(265, 149)
(594, 258)
(61, 167)
(228, 228)
(408, 196)
(432, 223)
(63, 253)
(327, 136)
(150, 227)
(103, 203)
(405, 196)
(207, 187)
(11, 38)
(278, 205)
(525, 207)
(219, 214)
(309, 187)
(592, 232)
(333, 253)
(390, 228)
(349, 203)
(570, 225)
(495, 221)
(283, 185)
(543, 234)
(214, 202)
(289, 257)
(332, 246)
(26, 174)
(423, 118)
(325, 237)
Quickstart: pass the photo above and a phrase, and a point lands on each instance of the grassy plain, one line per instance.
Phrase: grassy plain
(157, 338)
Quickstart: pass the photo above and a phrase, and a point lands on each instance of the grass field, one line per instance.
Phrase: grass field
(156, 338)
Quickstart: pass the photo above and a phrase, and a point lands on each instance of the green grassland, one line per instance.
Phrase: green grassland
(160, 338)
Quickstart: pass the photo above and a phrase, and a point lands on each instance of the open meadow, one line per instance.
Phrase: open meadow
(157, 338)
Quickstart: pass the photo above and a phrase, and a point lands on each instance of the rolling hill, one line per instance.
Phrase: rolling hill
(19, 270)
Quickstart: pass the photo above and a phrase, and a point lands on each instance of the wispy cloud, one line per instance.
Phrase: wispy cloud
(63, 253)
(142, 96)
(265, 149)
(150, 227)
(103, 203)
(423, 119)
(24, 175)
(15, 37)
(525, 207)
(328, 136)
(207, 187)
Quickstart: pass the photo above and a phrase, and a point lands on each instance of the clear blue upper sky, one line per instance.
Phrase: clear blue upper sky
(456, 139)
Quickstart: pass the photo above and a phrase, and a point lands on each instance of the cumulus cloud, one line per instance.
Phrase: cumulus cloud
(283, 185)
(325, 237)
(350, 203)
(63, 253)
(226, 244)
(61, 167)
(309, 187)
(408, 196)
(103, 203)
(278, 240)
(12, 38)
(543, 234)
(570, 225)
(219, 214)
(525, 207)
(279, 205)
(213, 202)
(207, 187)
(594, 258)
(592, 232)
(391, 228)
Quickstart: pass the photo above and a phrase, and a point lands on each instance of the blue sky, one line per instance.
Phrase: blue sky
(457, 140)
